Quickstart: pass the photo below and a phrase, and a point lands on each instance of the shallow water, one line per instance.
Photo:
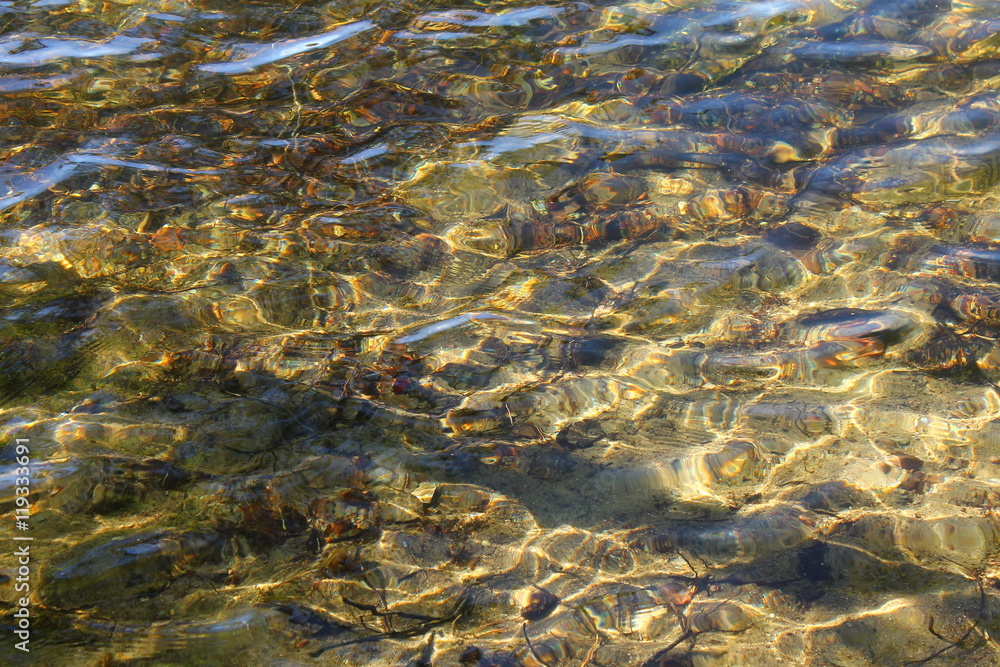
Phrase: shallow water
(657, 333)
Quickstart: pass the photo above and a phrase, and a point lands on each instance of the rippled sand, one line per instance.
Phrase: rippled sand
(657, 333)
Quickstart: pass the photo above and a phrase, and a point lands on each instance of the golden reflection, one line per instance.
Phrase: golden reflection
(655, 333)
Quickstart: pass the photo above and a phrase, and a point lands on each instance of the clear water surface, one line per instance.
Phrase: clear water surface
(579, 333)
